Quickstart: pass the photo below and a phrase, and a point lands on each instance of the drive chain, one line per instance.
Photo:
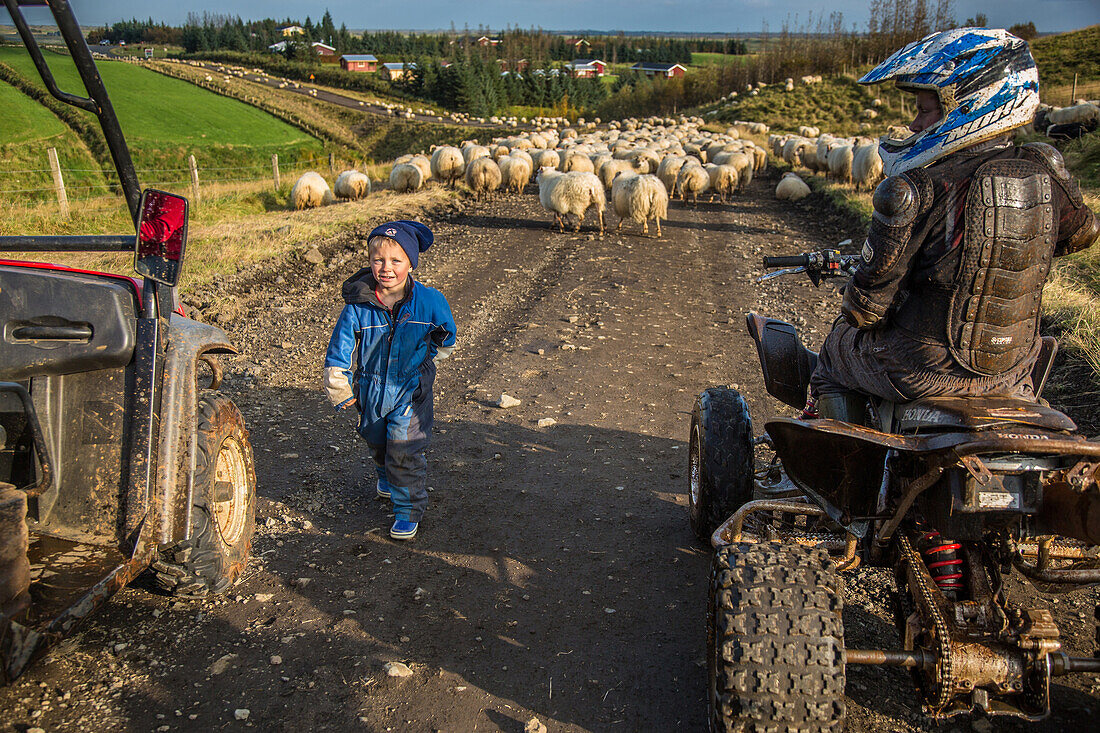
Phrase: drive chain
(930, 610)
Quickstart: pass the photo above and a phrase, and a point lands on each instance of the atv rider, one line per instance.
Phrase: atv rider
(946, 300)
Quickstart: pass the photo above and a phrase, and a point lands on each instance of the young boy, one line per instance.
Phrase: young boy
(381, 360)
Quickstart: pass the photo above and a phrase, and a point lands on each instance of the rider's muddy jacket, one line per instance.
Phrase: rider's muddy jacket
(958, 253)
(382, 357)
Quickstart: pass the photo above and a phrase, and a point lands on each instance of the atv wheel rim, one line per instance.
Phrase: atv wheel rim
(232, 468)
(694, 467)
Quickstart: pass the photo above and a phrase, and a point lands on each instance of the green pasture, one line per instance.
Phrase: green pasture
(165, 120)
(716, 59)
(29, 131)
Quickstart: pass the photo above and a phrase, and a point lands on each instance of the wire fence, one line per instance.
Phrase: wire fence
(44, 184)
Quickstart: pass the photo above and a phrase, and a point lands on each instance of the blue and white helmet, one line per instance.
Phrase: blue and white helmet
(986, 81)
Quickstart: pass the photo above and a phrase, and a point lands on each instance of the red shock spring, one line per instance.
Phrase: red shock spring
(944, 563)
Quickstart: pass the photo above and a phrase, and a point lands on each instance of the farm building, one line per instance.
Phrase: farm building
(654, 69)
(358, 62)
(398, 70)
(288, 31)
(586, 68)
(486, 41)
(322, 49)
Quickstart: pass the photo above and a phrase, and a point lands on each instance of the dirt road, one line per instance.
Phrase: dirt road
(555, 575)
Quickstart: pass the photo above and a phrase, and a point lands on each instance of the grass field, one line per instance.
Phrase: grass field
(165, 120)
(1061, 56)
(716, 59)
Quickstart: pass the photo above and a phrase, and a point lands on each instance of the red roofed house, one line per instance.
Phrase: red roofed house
(358, 62)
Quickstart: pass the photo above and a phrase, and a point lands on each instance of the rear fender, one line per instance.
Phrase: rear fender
(785, 362)
(188, 342)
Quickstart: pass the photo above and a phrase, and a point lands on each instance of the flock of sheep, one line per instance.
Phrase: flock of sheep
(854, 160)
(639, 164)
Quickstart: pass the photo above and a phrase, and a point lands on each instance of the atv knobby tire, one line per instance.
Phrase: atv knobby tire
(775, 640)
(223, 511)
(720, 459)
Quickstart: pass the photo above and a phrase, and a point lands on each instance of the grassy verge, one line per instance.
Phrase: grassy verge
(235, 228)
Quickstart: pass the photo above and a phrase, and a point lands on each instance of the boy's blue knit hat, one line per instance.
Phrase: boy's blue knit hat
(413, 237)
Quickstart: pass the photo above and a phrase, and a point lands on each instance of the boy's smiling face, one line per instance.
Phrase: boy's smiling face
(390, 265)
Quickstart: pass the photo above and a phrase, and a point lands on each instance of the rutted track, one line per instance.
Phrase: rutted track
(555, 574)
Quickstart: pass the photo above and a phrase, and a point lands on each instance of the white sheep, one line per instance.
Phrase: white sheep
(613, 168)
(352, 185)
(483, 176)
(866, 166)
(1081, 113)
(645, 161)
(791, 188)
(515, 172)
(840, 163)
(311, 191)
(425, 166)
(692, 180)
(406, 178)
(668, 170)
(472, 151)
(724, 180)
(577, 162)
(639, 198)
(545, 159)
(571, 194)
(447, 164)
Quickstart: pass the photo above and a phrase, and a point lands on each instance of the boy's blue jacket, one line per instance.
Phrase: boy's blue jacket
(380, 362)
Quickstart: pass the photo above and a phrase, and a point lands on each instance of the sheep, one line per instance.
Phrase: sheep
(645, 161)
(352, 185)
(311, 191)
(1085, 113)
(425, 166)
(791, 188)
(572, 193)
(577, 162)
(612, 169)
(759, 159)
(807, 131)
(482, 176)
(840, 163)
(724, 180)
(406, 178)
(866, 166)
(545, 158)
(639, 197)
(472, 152)
(668, 170)
(692, 180)
(447, 164)
(744, 164)
(515, 172)
(792, 150)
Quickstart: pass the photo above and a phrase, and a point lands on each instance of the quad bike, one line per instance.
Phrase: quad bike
(950, 493)
(114, 460)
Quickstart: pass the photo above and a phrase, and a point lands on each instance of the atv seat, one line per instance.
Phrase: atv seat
(976, 413)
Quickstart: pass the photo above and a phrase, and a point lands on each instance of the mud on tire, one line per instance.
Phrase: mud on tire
(775, 640)
(720, 459)
(223, 512)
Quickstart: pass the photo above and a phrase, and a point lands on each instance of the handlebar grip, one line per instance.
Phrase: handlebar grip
(789, 261)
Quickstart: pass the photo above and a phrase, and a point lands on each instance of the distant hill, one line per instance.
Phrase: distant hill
(1061, 56)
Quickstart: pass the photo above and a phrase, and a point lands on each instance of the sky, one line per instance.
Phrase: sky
(699, 16)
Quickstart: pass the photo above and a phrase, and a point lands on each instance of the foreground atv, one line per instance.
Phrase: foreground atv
(113, 459)
(951, 493)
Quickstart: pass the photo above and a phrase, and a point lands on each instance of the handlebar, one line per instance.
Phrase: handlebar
(789, 261)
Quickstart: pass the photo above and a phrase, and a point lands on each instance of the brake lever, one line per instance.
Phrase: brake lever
(779, 273)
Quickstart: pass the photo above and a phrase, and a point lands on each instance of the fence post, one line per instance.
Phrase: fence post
(275, 169)
(332, 162)
(1073, 95)
(194, 178)
(58, 182)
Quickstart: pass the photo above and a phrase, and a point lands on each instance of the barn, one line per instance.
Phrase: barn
(358, 62)
(654, 69)
(586, 68)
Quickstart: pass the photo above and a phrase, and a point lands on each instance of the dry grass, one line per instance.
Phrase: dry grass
(235, 225)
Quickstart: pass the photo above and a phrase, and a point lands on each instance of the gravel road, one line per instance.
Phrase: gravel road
(555, 575)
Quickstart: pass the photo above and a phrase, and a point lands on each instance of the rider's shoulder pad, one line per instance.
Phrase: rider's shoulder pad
(1050, 156)
(896, 201)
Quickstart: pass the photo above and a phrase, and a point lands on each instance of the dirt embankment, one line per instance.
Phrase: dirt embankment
(555, 575)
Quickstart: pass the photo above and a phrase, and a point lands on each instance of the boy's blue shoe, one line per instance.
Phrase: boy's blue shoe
(403, 529)
(383, 490)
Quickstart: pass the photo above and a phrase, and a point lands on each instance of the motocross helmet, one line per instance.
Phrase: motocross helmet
(986, 81)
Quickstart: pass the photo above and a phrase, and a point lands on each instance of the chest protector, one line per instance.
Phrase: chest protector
(1008, 242)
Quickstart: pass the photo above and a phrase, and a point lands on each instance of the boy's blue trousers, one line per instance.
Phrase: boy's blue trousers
(397, 442)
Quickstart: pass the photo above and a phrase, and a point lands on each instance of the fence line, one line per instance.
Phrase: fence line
(270, 171)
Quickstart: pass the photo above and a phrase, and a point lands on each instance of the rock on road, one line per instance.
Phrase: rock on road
(555, 576)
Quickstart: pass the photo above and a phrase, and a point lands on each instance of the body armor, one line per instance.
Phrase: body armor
(991, 312)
